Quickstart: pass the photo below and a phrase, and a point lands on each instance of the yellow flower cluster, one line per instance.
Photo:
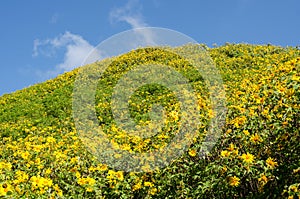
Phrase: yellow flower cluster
(20, 176)
(41, 183)
(87, 182)
(115, 175)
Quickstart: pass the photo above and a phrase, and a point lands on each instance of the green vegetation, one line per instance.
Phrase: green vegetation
(257, 155)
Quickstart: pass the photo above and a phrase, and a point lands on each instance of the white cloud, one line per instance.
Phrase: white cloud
(131, 14)
(77, 48)
(45, 50)
(76, 51)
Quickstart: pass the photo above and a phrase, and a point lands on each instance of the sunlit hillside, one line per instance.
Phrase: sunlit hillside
(256, 156)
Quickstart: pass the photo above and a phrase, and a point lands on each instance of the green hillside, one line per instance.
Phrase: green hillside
(257, 155)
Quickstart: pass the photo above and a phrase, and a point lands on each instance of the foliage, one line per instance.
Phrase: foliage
(257, 155)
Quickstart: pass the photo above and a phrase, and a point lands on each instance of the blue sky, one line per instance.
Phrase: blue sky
(40, 39)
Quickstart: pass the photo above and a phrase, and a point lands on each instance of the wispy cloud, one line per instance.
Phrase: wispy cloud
(131, 13)
(54, 19)
(76, 51)
(77, 48)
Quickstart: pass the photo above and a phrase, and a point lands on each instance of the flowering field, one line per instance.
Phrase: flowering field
(257, 155)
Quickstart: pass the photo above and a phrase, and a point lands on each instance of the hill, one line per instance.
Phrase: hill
(257, 155)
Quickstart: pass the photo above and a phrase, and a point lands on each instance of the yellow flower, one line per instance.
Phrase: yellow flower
(103, 167)
(37, 148)
(137, 186)
(37, 161)
(51, 139)
(211, 113)
(224, 169)
(265, 112)
(263, 179)
(235, 152)
(81, 181)
(89, 189)
(174, 115)
(110, 174)
(58, 190)
(231, 147)
(293, 188)
(225, 153)
(148, 184)
(4, 189)
(153, 191)
(41, 182)
(25, 155)
(2, 192)
(192, 152)
(74, 137)
(92, 169)
(239, 121)
(228, 131)
(21, 176)
(77, 174)
(296, 170)
(90, 181)
(48, 171)
(251, 112)
(295, 78)
(119, 175)
(17, 188)
(234, 181)
(74, 169)
(74, 160)
(59, 155)
(126, 147)
(248, 158)
(246, 132)
(4, 165)
(271, 163)
(47, 182)
(163, 136)
(255, 138)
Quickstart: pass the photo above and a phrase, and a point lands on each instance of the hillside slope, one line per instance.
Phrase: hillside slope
(257, 155)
